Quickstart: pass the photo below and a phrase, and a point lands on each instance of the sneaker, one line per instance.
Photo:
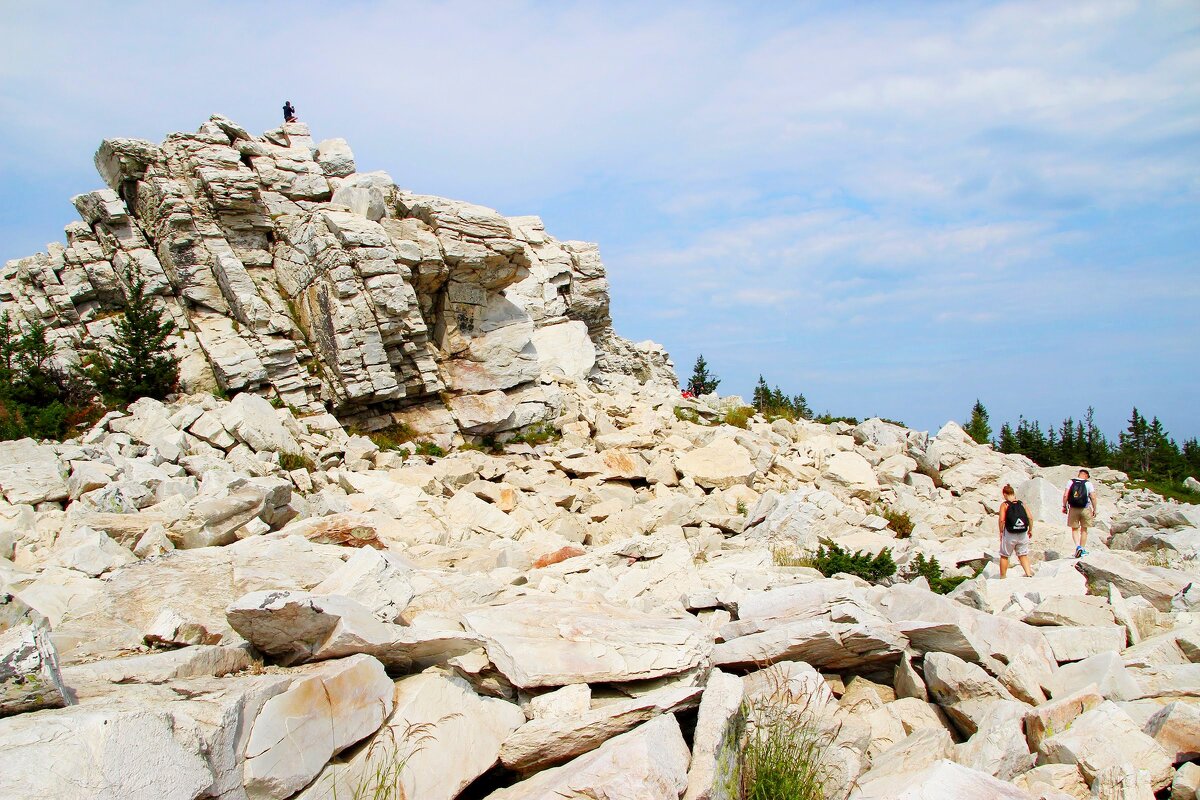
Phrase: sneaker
(1082, 552)
(1078, 552)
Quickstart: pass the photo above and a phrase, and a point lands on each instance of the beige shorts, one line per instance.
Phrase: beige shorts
(1014, 544)
(1079, 517)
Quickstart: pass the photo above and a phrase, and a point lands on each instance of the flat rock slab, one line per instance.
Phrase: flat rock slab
(648, 763)
(546, 641)
(945, 780)
(1156, 584)
(828, 645)
(441, 734)
(80, 753)
(296, 627)
(31, 473)
(544, 742)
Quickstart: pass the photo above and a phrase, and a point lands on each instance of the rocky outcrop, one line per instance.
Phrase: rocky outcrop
(293, 276)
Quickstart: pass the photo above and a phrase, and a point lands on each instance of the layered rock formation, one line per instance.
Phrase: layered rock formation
(222, 598)
(291, 275)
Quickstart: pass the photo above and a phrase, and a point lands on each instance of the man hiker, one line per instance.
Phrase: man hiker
(289, 111)
(1016, 532)
(1079, 504)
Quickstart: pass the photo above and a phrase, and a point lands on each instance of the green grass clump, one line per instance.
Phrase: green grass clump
(738, 417)
(537, 434)
(1168, 489)
(787, 557)
(899, 521)
(684, 414)
(830, 559)
(389, 438)
(779, 750)
(429, 449)
(295, 461)
(931, 571)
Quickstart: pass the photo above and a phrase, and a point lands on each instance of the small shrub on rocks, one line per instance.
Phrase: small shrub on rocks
(429, 449)
(830, 559)
(899, 521)
(931, 571)
(295, 461)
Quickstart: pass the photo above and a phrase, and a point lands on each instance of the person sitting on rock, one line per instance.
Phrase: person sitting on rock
(289, 111)
(1016, 532)
(1079, 504)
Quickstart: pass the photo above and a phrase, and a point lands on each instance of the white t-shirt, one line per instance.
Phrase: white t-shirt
(1091, 490)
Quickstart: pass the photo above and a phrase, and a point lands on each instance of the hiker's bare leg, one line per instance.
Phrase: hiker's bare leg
(1075, 537)
(1003, 566)
(1025, 566)
(1082, 536)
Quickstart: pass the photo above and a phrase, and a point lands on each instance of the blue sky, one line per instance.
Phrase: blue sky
(894, 208)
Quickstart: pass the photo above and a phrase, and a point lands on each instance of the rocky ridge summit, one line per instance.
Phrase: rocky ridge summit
(221, 598)
(291, 275)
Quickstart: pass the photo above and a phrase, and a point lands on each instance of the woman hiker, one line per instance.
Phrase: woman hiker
(1016, 531)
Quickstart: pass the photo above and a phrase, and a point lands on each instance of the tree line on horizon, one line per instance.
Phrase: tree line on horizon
(1144, 450)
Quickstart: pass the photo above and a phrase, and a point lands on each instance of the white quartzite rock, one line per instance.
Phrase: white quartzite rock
(457, 738)
(719, 465)
(648, 763)
(297, 731)
(553, 642)
(714, 747)
(1105, 737)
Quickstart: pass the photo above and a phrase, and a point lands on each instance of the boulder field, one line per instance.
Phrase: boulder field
(256, 598)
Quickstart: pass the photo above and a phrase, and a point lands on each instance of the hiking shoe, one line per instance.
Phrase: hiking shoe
(1078, 552)
(1082, 553)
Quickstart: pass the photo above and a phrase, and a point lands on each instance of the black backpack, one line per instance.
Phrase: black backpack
(1077, 497)
(1016, 519)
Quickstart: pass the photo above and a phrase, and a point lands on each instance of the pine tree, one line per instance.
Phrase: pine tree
(1007, 443)
(702, 382)
(136, 361)
(1135, 444)
(978, 427)
(761, 398)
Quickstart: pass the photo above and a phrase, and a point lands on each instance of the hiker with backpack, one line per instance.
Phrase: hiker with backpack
(1016, 532)
(1079, 504)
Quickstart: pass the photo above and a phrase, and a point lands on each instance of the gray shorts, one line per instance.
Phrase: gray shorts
(1014, 544)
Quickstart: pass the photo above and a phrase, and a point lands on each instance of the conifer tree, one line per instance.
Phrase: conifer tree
(977, 427)
(702, 382)
(136, 361)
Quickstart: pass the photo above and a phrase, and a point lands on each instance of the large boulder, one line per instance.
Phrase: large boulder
(964, 690)
(717, 724)
(648, 763)
(84, 753)
(854, 473)
(1106, 737)
(440, 737)
(295, 627)
(549, 641)
(718, 465)
(31, 473)
(829, 645)
(318, 716)
(1156, 584)
(551, 740)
